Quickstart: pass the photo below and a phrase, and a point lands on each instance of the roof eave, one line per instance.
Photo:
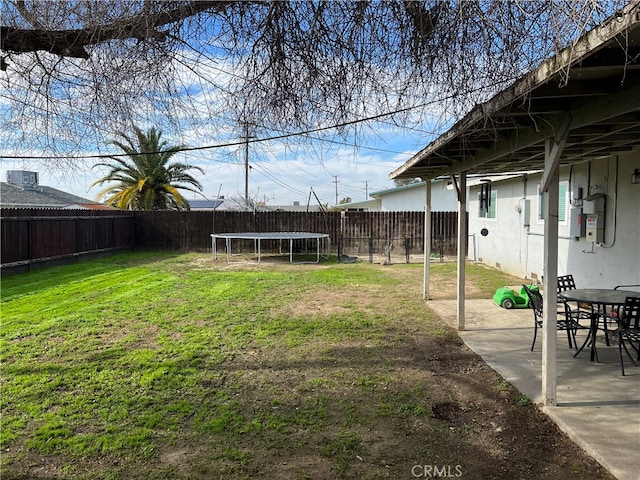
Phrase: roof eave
(590, 43)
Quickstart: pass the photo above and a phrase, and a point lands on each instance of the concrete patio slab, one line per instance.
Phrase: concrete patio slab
(597, 406)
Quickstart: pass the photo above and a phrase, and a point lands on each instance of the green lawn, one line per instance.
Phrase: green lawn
(152, 365)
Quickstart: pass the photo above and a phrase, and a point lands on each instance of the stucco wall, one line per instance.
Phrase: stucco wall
(413, 199)
(518, 249)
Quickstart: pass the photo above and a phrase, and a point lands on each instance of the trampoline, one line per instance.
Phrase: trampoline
(258, 237)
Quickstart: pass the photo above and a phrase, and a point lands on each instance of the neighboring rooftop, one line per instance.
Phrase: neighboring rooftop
(409, 186)
(205, 204)
(22, 190)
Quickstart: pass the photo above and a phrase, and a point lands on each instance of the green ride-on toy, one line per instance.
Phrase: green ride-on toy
(508, 298)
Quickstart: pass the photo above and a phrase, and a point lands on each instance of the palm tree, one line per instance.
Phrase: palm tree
(144, 178)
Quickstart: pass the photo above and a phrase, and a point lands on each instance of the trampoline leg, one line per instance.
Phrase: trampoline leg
(258, 251)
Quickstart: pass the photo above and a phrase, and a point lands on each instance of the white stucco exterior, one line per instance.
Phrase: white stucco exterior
(408, 198)
(412, 198)
(518, 249)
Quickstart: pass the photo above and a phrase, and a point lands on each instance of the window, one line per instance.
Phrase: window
(488, 211)
(563, 202)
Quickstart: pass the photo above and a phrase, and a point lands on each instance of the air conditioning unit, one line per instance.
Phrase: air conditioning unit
(23, 179)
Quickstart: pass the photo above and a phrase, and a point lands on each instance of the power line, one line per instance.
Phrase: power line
(276, 180)
(256, 140)
(205, 147)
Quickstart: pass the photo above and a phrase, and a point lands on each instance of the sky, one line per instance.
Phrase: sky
(281, 171)
(284, 166)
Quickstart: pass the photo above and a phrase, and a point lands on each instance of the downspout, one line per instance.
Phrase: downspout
(615, 207)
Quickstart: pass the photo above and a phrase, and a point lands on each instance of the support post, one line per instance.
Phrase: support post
(246, 164)
(553, 151)
(550, 283)
(427, 238)
(462, 250)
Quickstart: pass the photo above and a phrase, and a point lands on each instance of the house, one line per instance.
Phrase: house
(407, 198)
(22, 190)
(239, 204)
(541, 123)
(371, 205)
(294, 207)
(575, 118)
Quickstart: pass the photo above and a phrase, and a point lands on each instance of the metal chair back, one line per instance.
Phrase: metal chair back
(629, 330)
(566, 282)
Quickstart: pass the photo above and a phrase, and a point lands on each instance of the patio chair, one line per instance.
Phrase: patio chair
(582, 312)
(565, 321)
(625, 287)
(629, 330)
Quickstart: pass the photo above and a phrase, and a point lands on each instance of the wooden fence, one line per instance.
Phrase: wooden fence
(32, 237)
(396, 233)
(38, 237)
(191, 231)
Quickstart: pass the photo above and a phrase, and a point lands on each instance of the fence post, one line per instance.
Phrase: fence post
(30, 242)
(76, 249)
(406, 249)
(389, 247)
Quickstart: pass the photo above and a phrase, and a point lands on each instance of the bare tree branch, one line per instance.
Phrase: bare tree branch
(74, 71)
(73, 43)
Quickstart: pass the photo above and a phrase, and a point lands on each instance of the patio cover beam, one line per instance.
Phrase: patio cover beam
(512, 141)
(601, 110)
(553, 150)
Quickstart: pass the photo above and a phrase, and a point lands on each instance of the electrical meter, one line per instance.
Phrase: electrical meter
(594, 207)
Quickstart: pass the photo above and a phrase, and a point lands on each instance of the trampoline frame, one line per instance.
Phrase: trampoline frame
(257, 237)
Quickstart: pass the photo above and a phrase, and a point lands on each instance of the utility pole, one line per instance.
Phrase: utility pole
(246, 138)
(366, 189)
(336, 182)
(246, 164)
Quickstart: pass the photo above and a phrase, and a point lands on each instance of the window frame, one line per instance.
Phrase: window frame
(485, 214)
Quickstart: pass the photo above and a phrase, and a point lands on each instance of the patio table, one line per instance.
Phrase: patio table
(600, 298)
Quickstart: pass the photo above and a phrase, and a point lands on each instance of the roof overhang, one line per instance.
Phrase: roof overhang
(593, 86)
(363, 204)
(380, 193)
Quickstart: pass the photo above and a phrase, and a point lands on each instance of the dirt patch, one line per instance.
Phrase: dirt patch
(468, 421)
